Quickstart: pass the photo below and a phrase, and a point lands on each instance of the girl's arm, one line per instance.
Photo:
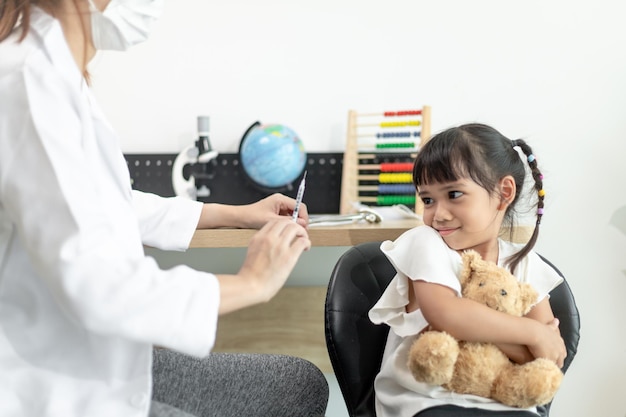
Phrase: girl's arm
(542, 312)
(468, 320)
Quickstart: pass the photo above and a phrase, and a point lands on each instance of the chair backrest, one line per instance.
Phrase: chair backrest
(356, 345)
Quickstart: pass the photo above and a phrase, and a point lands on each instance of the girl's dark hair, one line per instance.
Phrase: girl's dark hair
(482, 154)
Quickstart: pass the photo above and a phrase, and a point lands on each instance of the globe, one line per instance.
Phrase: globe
(272, 155)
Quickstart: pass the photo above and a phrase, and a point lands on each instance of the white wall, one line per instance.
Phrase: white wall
(553, 72)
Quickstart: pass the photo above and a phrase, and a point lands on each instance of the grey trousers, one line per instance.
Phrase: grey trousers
(226, 384)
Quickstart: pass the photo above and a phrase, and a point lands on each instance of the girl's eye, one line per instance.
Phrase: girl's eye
(454, 194)
(427, 200)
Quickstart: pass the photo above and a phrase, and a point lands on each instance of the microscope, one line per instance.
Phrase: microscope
(194, 166)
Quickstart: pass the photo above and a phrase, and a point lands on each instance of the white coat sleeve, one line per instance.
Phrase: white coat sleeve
(166, 223)
(78, 225)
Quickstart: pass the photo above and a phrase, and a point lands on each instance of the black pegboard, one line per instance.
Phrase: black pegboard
(228, 183)
(151, 172)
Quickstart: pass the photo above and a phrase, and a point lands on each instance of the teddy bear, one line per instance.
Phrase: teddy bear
(482, 368)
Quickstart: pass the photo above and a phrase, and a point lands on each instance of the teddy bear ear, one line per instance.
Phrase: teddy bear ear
(528, 297)
(470, 259)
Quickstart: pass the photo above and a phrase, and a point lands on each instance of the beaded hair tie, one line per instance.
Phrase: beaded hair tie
(541, 193)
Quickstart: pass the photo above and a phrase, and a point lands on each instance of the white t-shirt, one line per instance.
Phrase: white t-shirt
(421, 254)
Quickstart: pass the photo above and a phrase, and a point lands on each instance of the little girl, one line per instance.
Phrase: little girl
(470, 179)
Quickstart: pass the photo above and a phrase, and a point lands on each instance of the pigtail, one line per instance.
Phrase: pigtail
(538, 186)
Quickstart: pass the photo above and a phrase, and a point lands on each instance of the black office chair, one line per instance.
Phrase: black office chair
(356, 345)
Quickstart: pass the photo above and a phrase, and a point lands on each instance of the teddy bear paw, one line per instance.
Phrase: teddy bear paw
(534, 383)
(432, 357)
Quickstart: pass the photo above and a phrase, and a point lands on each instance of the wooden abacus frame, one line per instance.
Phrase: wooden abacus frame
(356, 152)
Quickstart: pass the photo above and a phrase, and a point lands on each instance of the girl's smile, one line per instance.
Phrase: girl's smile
(465, 215)
(446, 231)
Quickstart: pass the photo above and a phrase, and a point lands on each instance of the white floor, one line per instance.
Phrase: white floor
(336, 406)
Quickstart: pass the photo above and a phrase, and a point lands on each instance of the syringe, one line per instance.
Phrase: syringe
(299, 198)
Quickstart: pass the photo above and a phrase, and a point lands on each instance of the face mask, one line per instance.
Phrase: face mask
(123, 23)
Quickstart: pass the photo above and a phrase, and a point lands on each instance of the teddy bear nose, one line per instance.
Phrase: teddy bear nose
(503, 292)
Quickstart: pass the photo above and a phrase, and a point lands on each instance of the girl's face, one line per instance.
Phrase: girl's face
(465, 215)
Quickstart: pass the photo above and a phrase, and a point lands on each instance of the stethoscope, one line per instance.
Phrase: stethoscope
(366, 214)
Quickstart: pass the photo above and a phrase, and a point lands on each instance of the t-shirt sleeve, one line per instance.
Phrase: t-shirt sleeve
(541, 275)
(532, 270)
(419, 254)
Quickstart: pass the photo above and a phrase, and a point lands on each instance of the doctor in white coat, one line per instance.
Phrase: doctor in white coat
(81, 306)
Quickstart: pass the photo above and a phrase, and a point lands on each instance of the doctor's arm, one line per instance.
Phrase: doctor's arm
(251, 216)
(169, 223)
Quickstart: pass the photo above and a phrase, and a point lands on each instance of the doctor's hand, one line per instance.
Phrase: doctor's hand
(252, 216)
(274, 207)
(272, 254)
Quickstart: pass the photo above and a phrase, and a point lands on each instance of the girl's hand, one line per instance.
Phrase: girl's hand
(272, 254)
(549, 343)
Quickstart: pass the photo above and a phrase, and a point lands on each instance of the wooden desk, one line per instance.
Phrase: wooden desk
(292, 323)
(336, 235)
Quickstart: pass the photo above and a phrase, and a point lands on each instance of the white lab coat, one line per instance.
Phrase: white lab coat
(80, 304)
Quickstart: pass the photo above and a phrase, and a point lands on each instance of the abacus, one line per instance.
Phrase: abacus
(378, 160)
